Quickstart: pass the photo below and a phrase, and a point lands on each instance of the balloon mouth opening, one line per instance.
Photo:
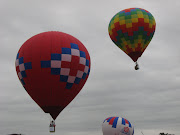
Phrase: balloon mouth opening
(135, 55)
(52, 110)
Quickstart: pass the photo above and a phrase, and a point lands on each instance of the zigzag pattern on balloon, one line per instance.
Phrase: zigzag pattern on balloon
(60, 64)
(132, 30)
(21, 68)
(113, 121)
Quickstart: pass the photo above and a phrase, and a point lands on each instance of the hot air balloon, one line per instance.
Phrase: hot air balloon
(132, 30)
(117, 126)
(53, 67)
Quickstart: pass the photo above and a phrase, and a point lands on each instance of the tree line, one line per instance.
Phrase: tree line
(165, 134)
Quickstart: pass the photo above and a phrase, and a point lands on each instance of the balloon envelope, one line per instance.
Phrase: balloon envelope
(132, 30)
(117, 126)
(53, 67)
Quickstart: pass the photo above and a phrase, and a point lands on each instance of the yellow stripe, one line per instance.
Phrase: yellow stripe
(150, 25)
(146, 20)
(141, 45)
(116, 20)
(112, 26)
(122, 22)
(123, 45)
(136, 45)
(130, 46)
(134, 16)
(124, 42)
(128, 25)
(124, 49)
(140, 16)
(144, 46)
(134, 20)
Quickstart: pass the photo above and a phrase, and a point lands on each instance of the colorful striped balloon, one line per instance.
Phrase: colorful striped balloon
(132, 30)
(117, 126)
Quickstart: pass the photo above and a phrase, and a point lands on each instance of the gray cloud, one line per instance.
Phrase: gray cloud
(149, 98)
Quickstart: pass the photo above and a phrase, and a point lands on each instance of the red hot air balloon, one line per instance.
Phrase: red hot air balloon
(53, 67)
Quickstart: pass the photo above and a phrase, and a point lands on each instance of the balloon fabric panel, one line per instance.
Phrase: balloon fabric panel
(132, 30)
(53, 67)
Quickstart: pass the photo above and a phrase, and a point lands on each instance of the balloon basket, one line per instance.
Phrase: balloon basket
(137, 66)
(51, 129)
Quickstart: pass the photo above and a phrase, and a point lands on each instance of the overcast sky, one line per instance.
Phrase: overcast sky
(148, 98)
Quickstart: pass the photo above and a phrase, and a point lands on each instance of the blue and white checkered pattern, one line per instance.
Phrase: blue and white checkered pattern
(22, 67)
(56, 65)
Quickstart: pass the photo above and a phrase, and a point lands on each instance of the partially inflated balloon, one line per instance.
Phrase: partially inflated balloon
(117, 126)
(53, 67)
(132, 30)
